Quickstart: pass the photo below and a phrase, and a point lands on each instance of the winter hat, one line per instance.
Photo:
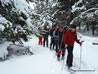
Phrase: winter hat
(73, 26)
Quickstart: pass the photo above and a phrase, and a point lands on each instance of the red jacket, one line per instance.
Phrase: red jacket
(70, 37)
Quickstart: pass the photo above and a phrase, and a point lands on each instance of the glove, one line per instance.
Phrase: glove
(66, 45)
(81, 43)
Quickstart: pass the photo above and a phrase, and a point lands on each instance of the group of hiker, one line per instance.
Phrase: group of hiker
(62, 38)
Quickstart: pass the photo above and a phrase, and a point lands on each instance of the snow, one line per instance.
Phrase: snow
(5, 1)
(3, 50)
(83, 13)
(74, 7)
(1, 27)
(3, 21)
(44, 61)
(77, 8)
(21, 6)
(32, 5)
(29, 22)
(89, 52)
(96, 12)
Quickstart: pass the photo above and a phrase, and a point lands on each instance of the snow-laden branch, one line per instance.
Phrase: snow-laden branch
(83, 14)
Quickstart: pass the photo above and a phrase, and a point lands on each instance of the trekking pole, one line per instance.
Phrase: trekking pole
(81, 52)
(80, 55)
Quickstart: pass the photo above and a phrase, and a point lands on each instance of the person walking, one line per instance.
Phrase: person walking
(70, 37)
(56, 37)
(52, 38)
(62, 48)
(46, 34)
(40, 37)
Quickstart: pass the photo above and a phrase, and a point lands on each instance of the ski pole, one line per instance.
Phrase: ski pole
(80, 55)
(81, 51)
(62, 65)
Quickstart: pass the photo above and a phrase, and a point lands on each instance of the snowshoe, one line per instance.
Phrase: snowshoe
(58, 57)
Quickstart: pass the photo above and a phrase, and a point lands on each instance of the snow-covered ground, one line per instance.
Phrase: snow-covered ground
(44, 61)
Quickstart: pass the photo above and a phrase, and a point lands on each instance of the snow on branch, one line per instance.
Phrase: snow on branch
(92, 9)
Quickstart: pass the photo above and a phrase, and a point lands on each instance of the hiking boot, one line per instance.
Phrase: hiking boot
(58, 57)
(68, 66)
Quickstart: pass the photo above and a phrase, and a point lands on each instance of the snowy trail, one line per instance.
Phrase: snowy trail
(44, 61)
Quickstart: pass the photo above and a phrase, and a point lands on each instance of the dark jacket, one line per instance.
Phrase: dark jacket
(51, 32)
(61, 43)
(45, 34)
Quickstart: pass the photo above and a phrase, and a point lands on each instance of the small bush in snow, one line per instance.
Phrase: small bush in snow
(18, 50)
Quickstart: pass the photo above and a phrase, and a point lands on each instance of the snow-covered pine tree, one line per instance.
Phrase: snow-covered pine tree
(64, 15)
(86, 16)
(45, 10)
(17, 19)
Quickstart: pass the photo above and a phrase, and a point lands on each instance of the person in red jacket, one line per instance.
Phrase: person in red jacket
(39, 37)
(69, 39)
(40, 40)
